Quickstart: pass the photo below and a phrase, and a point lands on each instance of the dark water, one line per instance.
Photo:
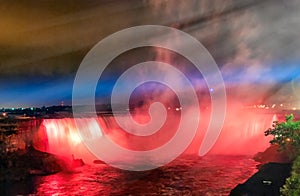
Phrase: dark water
(188, 175)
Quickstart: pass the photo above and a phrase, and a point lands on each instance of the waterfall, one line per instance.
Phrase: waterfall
(243, 133)
(61, 137)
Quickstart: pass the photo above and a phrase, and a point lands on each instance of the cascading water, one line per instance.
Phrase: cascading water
(61, 137)
(243, 133)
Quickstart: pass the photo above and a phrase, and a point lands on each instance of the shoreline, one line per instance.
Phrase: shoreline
(274, 168)
(21, 164)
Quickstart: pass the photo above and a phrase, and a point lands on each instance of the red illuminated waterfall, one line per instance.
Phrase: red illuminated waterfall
(61, 137)
(243, 133)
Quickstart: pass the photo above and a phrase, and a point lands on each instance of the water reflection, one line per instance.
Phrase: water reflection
(189, 175)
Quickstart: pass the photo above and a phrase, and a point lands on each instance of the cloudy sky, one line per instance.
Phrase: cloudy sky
(255, 43)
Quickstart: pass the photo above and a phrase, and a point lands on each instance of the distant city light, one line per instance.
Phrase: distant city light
(261, 106)
(177, 109)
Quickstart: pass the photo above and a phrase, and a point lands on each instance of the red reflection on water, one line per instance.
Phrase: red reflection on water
(188, 175)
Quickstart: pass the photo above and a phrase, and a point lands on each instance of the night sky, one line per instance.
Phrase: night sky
(256, 44)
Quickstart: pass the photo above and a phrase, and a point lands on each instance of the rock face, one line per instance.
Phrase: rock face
(275, 167)
(267, 181)
(77, 162)
(23, 163)
(98, 162)
(273, 154)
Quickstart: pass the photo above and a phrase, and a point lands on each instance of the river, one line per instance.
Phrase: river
(187, 175)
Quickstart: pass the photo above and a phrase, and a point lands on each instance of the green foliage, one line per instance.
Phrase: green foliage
(285, 133)
(287, 136)
(292, 184)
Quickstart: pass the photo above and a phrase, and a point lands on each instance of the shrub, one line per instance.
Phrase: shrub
(287, 136)
(285, 133)
(292, 184)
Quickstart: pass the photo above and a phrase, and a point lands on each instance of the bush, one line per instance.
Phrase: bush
(292, 184)
(287, 136)
(285, 133)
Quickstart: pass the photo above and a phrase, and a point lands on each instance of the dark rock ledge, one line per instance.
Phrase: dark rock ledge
(19, 165)
(275, 167)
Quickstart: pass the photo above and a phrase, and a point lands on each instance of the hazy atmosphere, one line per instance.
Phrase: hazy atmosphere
(256, 44)
(150, 97)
